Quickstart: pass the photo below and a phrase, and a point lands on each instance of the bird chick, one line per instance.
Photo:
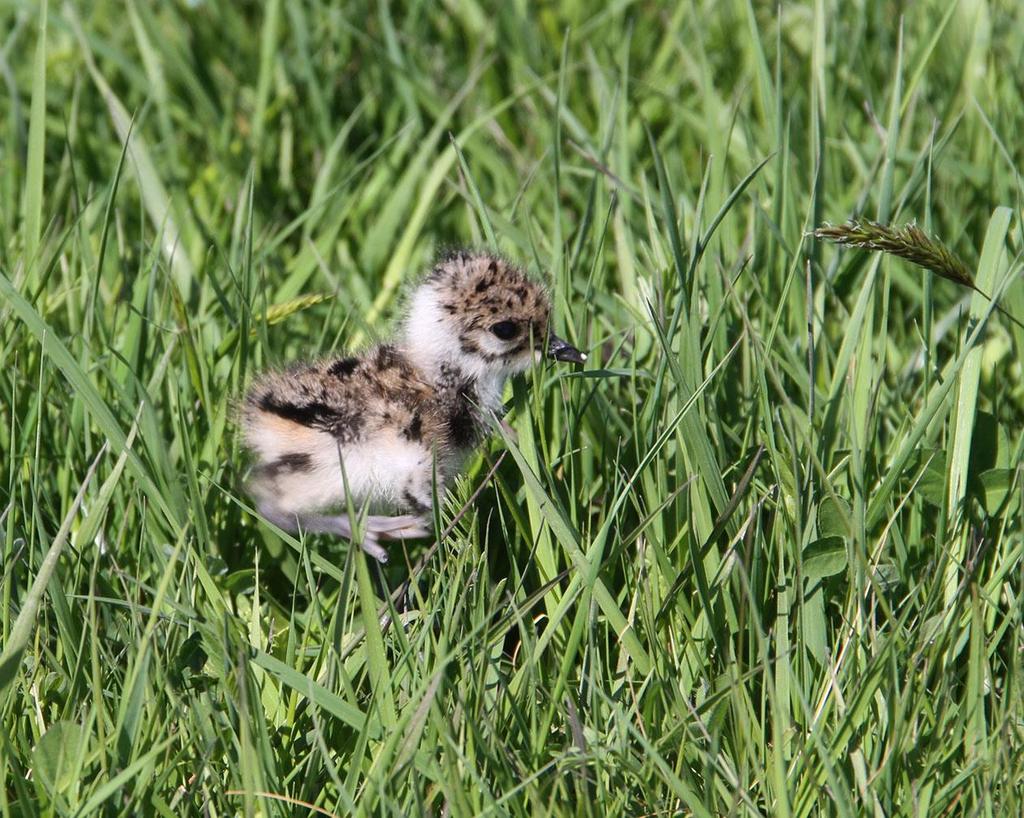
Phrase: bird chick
(375, 428)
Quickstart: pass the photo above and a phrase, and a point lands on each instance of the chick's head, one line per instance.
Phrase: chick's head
(486, 313)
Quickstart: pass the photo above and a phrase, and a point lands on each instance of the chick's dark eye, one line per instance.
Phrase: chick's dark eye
(505, 330)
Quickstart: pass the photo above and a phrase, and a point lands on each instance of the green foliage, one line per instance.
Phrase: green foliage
(761, 557)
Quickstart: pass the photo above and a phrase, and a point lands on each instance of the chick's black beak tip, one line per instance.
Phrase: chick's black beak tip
(561, 350)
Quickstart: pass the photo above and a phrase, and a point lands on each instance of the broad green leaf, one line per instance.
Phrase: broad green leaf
(824, 558)
(57, 758)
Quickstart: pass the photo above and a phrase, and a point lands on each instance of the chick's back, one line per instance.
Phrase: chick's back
(351, 399)
(372, 412)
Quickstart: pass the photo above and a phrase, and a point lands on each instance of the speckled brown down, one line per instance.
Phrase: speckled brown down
(377, 426)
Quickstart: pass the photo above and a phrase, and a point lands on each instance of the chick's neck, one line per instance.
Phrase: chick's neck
(433, 348)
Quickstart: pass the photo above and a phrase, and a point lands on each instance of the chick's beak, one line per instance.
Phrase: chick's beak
(564, 351)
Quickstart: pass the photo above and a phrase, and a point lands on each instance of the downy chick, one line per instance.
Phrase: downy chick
(375, 427)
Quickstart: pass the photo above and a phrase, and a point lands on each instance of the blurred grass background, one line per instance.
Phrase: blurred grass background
(763, 557)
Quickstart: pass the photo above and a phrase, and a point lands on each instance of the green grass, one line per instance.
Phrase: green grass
(762, 557)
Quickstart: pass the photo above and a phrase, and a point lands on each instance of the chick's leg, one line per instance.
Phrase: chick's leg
(400, 527)
(337, 524)
(289, 497)
(411, 483)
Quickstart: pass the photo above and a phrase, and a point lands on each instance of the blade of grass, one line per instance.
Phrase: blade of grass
(154, 194)
(24, 625)
(33, 196)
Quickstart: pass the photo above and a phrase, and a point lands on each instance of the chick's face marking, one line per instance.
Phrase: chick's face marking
(495, 315)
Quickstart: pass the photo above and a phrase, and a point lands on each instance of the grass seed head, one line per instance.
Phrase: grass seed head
(909, 242)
